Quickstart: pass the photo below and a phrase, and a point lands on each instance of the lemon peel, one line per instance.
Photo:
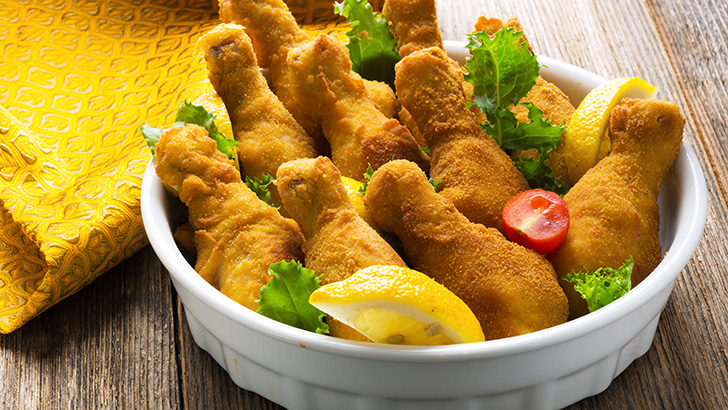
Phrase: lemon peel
(357, 199)
(397, 305)
(586, 140)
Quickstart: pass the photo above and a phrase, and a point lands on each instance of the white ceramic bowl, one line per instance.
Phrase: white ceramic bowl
(551, 368)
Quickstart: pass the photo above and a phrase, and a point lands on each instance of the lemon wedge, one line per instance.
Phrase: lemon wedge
(586, 140)
(396, 305)
(352, 190)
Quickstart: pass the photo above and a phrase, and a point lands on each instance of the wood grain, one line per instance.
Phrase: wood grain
(110, 346)
(206, 385)
(123, 341)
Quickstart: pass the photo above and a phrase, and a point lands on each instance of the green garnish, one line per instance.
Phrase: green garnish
(544, 137)
(372, 47)
(426, 150)
(367, 176)
(604, 285)
(151, 135)
(189, 113)
(285, 297)
(502, 70)
(260, 187)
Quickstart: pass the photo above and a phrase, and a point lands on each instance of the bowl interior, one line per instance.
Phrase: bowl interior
(683, 210)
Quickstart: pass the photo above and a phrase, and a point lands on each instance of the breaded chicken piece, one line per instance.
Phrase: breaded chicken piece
(613, 207)
(237, 235)
(415, 27)
(359, 134)
(548, 97)
(338, 242)
(473, 171)
(558, 110)
(490, 25)
(274, 31)
(510, 289)
(406, 119)
(267, 132)
(414, 24)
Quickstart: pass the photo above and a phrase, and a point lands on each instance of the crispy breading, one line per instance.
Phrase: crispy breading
(491, 25)
(406, 119)
(414, 24)
(415, 27)
(267, 132)
(338, 241)
(510, 289)
(473, 171)
(359, 134)
(274, 32)
(613, 207)
(184, 235)
(558, 110)
(550, 99)
(237, 235)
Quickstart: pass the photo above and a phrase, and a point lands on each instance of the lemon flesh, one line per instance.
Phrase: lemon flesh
(396, 305)
(352, 191)
(586, 140)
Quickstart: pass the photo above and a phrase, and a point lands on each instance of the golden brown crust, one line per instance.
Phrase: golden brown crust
(491, 25)
(359, 134)
(406, 119)
(415, 27)
(184, 235)
(237, 235)
(511, 290)
(414, 24)
(274, 32)
(550, 99)
(338, 241)
(613, 207)
(267, 132)
(558, 110)
(474, 172)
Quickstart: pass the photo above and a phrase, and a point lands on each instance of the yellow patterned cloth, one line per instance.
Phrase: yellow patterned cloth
(77, 79)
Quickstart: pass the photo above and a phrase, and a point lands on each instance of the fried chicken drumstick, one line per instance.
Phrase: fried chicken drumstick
(338, 242)
(274, 32)
(414, 24)
(613, 207)
(473, 171)
(359, 134)
(237, 235)
(512, 290)
(415, 27)
(267, 132)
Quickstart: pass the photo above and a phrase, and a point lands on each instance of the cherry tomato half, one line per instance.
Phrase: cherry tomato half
(536, 219)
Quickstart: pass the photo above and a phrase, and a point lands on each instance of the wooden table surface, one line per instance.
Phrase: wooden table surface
(123, 342)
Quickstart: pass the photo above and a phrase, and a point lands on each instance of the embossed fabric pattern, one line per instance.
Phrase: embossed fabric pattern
(77, 79)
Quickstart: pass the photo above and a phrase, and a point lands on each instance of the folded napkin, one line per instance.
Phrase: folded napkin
(77, 79)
